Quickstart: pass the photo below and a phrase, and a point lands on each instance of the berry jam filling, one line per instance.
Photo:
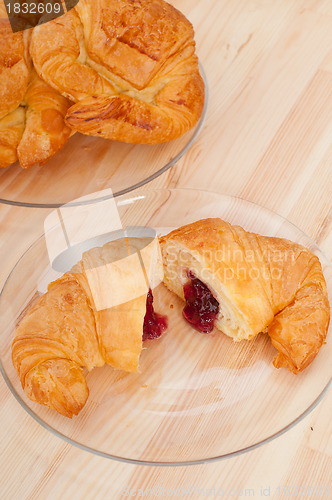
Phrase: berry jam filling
(154, 324)
(201, 309)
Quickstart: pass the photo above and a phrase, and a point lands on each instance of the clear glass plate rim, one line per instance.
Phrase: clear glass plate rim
(155, 175)
(266, 440)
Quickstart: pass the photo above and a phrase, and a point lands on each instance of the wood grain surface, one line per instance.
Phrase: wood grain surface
(267, 138)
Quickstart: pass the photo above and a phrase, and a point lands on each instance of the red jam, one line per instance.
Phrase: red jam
(201, 309)
(154, 324)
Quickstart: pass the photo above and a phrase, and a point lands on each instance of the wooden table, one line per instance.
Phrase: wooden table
(267, 138)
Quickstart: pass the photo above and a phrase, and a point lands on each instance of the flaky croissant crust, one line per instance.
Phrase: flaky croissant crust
(55, 339)
(68, 329)
(266, 282)
(129, 65)
(32, 126)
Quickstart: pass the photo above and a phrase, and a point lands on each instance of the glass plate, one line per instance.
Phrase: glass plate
(198, 397)
(88, 164)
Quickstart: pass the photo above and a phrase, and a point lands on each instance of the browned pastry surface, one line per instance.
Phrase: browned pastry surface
(36, 130)
(53, 342)
(14, 65)
(11, 132)
(45, 130)
(129, 65)
(32, 126)
(79, 323)
(260, 282)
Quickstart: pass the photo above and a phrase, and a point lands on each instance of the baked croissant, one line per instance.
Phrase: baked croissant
(245, 283)
(14, 65)
(95, 314)
(32, 126)
(130, 65)
(36, 130)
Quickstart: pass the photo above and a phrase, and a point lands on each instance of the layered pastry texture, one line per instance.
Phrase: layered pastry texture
(245, 284)
(130, 66)
(100, 312)
(32, 114)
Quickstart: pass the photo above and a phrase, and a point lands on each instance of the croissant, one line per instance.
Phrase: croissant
(129, 65)
(244, 283)
(36, 130)
(32, 126)
(98, 313)
(14, 65)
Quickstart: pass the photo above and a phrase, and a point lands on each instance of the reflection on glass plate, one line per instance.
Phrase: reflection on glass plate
(90, 164)
(197, 397)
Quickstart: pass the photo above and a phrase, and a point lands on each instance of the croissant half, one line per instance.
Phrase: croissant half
(93, 315)
(53, 342)
(129, 65)
(11, 132)
(259, 282)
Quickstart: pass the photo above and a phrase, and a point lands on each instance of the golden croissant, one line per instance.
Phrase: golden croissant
(130, 66)
(98, 313)
(245, 283)
(35, 131)
(14, 65)
(32, 126)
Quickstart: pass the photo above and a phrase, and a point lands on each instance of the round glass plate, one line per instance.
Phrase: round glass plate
(197, 397)
(89, 164)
